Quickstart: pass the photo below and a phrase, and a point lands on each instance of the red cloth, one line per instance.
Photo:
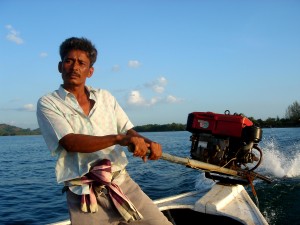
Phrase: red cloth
(101, 174)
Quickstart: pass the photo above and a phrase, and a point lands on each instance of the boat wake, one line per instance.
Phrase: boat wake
(281, 163)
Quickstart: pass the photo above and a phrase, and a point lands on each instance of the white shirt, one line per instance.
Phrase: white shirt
(59, 114)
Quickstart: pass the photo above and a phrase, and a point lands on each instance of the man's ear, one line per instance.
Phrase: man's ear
(59, 66)
(91, 72)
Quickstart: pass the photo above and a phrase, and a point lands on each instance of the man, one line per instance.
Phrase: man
(86, 127)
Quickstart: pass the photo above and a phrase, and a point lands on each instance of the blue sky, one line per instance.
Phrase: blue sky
(162, 59)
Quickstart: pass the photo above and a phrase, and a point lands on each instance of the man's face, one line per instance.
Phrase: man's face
(75, 68)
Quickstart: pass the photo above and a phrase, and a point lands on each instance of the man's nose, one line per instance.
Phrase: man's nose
(75, 65)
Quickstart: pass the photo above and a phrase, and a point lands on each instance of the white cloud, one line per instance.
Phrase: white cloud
(158, 89)
(154, 100)
(43, 54)
(158, 86)
(27, 107)
(135, 98)
(162, 81)
(116, 68)
(172, 99)
(134, 63)
(13, 35)
(11, 123)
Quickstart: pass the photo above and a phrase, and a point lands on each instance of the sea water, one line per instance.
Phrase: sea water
(29, 193)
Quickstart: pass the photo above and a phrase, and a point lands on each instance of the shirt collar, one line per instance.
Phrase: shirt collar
(63, 93)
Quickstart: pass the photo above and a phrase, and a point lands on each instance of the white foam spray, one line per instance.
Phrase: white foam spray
(281, 162)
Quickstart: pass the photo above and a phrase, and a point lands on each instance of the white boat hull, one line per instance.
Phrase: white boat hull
(222, 204)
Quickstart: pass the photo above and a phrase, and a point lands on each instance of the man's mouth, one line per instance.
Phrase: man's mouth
(73, 75)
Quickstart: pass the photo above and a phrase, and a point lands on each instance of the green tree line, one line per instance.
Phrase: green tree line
(7, 130)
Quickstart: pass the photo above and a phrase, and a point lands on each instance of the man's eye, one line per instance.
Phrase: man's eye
(67, 61)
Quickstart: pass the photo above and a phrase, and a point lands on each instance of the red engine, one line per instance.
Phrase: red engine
(223, 139)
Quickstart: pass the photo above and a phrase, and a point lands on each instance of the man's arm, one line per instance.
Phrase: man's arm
(138, 144)
(88, 143)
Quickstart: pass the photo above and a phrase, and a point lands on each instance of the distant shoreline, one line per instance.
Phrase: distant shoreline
(8, 130)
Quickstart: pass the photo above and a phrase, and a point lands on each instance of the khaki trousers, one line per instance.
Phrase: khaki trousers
(107, 214)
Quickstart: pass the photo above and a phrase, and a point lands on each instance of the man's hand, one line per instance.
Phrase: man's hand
(155, 151)
(140, 146)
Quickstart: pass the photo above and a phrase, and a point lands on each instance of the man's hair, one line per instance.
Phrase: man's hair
(82, 44)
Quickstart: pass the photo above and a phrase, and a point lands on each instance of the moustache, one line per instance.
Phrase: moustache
(71, 74)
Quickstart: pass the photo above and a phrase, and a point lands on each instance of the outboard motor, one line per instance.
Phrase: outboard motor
(224, 140)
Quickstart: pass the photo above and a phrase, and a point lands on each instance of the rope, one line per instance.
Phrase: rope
(250, 179)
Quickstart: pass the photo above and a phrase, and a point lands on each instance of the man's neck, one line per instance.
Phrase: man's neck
(82, 96)
(77, 91)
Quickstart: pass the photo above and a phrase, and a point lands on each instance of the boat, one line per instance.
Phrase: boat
(222, 204)
(222, 146)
